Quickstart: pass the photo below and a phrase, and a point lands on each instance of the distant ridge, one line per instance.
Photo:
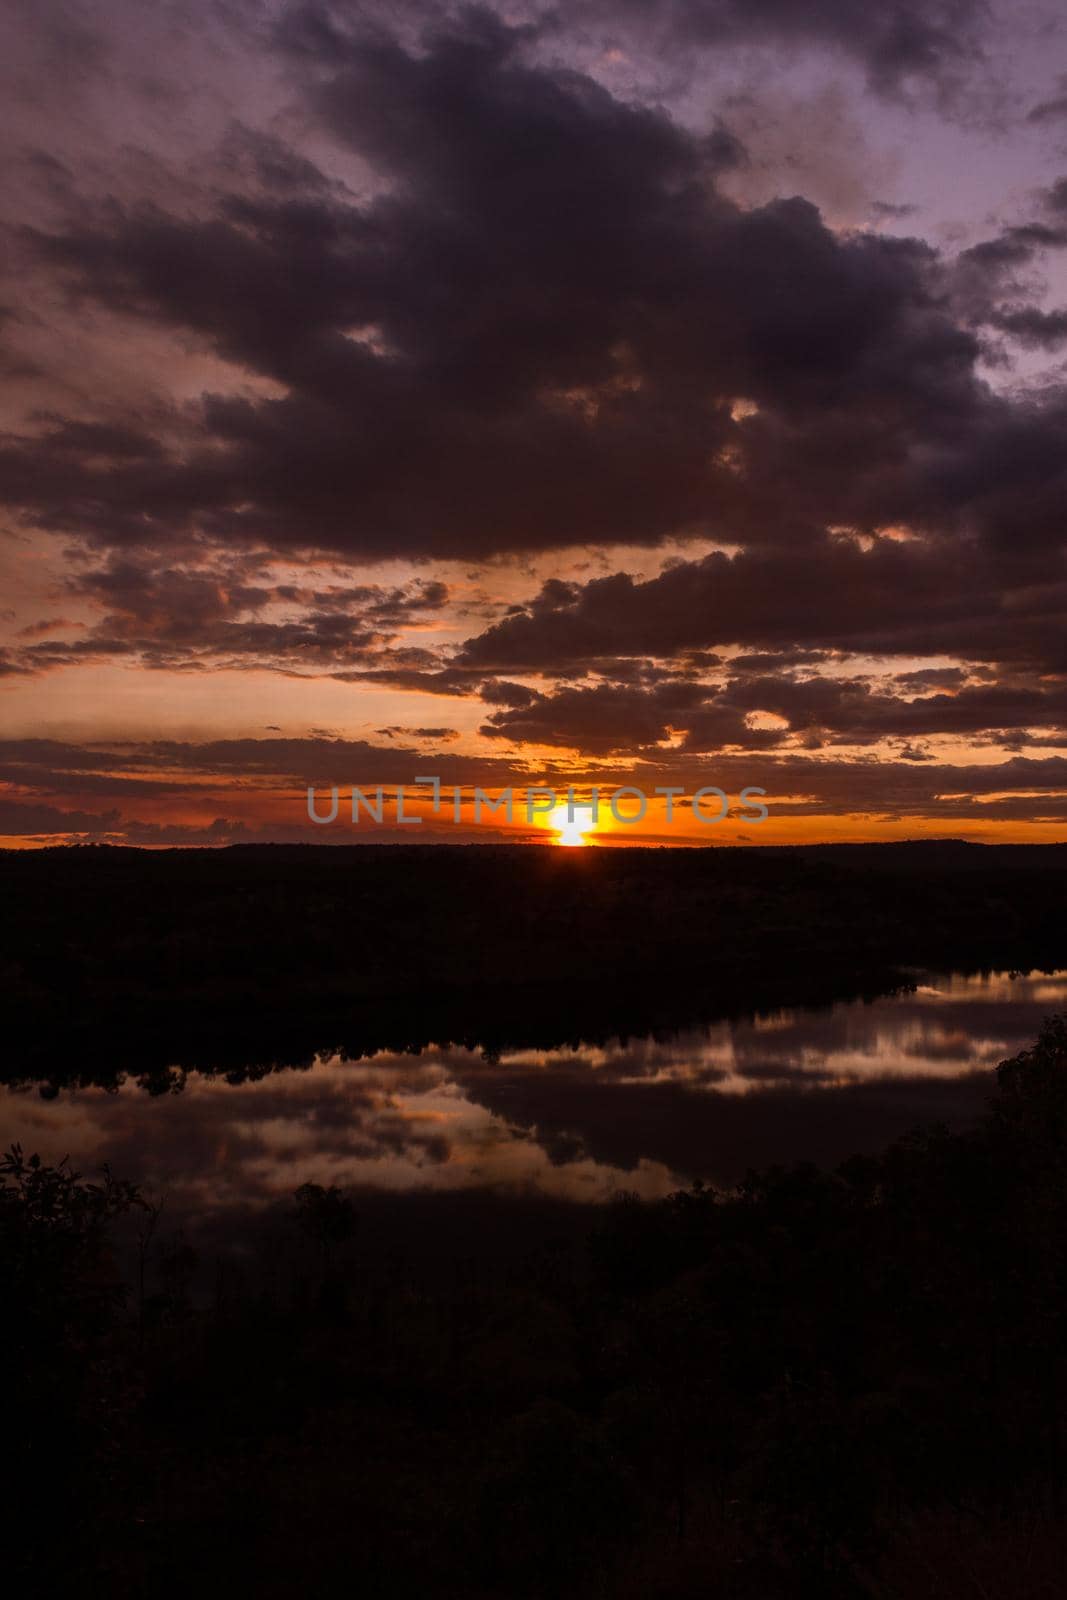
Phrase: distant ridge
(929, 854)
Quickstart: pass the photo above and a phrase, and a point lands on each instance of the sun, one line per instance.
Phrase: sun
(571, 830)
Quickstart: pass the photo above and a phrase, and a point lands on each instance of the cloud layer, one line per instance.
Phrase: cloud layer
(459, 364)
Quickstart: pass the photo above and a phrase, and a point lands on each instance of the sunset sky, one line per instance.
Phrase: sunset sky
(619, 392)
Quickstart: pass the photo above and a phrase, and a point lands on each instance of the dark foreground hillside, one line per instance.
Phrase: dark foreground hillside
(846, 1384)
(113, 959)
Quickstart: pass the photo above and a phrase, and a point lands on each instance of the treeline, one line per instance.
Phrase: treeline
(843, 1384)
(114, 960)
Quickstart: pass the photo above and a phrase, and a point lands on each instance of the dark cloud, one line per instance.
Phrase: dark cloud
(886, 210)
(1049, 110)
(296, 761)
(534, 335)
(896, 597)
(213, 614)
(612, 718)
(498, 692)
(1056, 197)
(904, 44)
(608, 719)
(1038, 330)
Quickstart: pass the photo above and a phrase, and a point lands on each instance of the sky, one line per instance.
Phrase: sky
(662, 393)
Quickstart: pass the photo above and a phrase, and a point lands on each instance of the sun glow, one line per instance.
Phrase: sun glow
(571, 830)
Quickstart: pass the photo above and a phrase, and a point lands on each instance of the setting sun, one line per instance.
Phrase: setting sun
(571, 829)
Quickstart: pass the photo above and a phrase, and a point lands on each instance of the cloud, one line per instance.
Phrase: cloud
(613, 719)
(242, 790)
(1051, 110)
(902, 46)
(910, 597)
(530, 331)
(226, 612)
(1034, 328)
(607, 719)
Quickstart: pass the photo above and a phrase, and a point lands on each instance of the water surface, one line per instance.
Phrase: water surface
(581, 1123)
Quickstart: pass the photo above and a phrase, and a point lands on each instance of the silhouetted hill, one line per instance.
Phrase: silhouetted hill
(926, 855)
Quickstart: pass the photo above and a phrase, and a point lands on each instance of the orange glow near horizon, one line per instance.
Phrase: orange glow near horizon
(265, 808)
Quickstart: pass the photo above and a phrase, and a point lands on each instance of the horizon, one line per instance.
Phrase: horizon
(545, 841)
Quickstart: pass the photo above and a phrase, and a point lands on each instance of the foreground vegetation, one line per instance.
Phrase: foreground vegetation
(836, 1384)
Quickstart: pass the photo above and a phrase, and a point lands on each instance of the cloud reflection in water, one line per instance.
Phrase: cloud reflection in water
(577, 1124)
